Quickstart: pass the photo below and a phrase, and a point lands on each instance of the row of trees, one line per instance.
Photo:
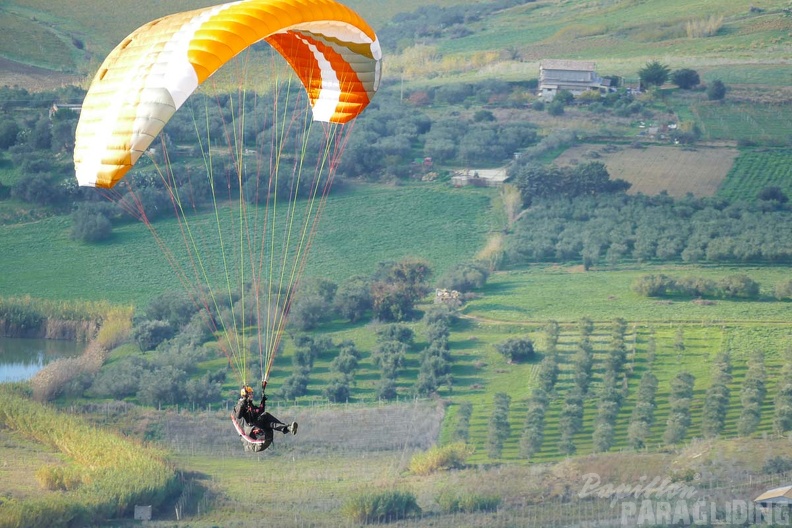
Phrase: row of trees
(607, 228)
(570, 419)
(384, 145)
(435, 369)
(393, 343)
(390, 294)
(537, 181)
(532, 434)
(342, 369)
(716, 400)
(655, 74)
(307, 350)
(613, 390)
(737, 286)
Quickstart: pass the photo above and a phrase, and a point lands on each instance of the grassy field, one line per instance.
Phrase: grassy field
(757, 169)
(756, 123)
(359, 228)
(656, 168)
(568, 294)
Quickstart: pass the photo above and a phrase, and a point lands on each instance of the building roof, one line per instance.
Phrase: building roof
(782, 494)
(562, 64)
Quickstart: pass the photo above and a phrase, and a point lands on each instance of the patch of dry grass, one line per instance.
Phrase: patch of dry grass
(653, 169)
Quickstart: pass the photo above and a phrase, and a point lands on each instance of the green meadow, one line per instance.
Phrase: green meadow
(360, 227)
(756, 169)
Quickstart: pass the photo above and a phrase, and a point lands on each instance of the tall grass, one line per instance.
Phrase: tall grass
(704, 27)
(382, 506)
(107, 475)
(25, 316)
(451, 456)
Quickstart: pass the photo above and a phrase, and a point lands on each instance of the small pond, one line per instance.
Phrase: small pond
(20, 359)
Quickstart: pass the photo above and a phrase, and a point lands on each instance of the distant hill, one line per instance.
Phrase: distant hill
(737, 41)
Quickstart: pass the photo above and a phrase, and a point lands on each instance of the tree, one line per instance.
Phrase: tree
(308, 311)
(716, 91)
(397, 286)
(653, 74)
(9, 130)
(464, 277)
(499, 427)
(353, 299)
(533, 428)
(149, 334)
(679, 415)
(772, 193)
(516, 349)
(90, 224)
(462, 429)
(752, 395)
(716, 401)
(685, 78)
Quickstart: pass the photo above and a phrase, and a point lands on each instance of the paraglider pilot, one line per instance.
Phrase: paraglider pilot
(258, 423)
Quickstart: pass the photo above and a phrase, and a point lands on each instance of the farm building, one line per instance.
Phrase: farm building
(574, 76)
(76, 108)
(479, 178)
(782, 495)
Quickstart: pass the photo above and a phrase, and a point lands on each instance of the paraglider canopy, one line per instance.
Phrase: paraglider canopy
(149, 75)
(244, 259)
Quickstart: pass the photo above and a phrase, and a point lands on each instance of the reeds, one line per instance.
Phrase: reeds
(451, 456)
(382, 506)
(704, 27)
(107, 476)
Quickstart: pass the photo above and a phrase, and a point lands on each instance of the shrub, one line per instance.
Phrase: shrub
(783, 290)
(556, 108)
(517, 349)
(499, 428)
(451, 456)
(464, 277)
(685, 78)
(739, 285)
(90, 224)
(149, 334)
(777, 464)
(337, 389)
(467, 503)
(716, 91)
(462, 430)
(384, 506)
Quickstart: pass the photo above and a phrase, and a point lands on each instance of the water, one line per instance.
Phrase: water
(20, 359)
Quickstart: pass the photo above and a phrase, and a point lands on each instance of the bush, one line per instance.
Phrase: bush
(517, 349)
(467, 503)
(91, 222)
(384, 506)
(462, 430)
(685, 78)
(556, 108)
(716, 91)
(337, 389)
(149, 334)
(777, 464)
(783, 290)
(464, 277)
(451, 456)
(499, 428)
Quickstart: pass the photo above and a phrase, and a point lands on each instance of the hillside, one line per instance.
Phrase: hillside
(563, 271)
(744, 45)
